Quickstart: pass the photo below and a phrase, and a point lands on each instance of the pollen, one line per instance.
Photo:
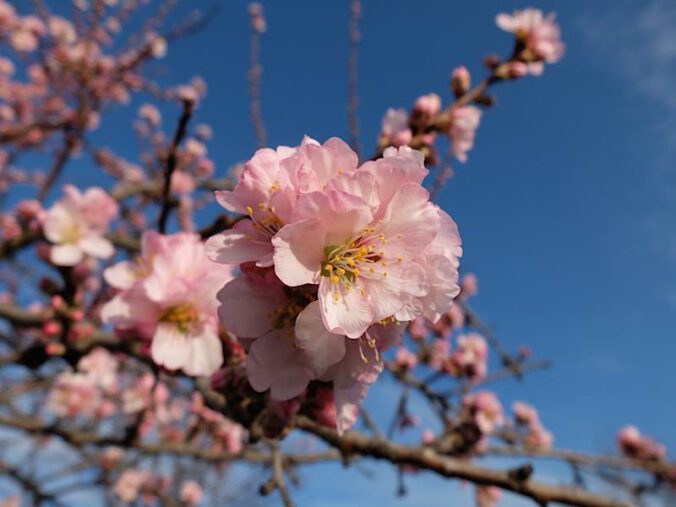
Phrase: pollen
(183, 315)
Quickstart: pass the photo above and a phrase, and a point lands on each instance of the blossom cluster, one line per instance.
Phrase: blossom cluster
(334, 256)
(141, 484)
(527, 418)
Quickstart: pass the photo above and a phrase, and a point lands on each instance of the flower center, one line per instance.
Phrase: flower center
(265, 221)
(285, 316)
(182, 315)
(142, 268)
(344, 264)
(71, 233)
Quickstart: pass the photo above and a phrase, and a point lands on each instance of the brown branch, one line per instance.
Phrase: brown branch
(428, 459)
(277, 481)
(577, 458)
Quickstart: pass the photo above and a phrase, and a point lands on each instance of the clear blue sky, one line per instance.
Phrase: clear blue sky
(566, 206)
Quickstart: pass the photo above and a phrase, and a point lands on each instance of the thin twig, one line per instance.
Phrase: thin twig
(352, 77)
(256, 72)
(170, 167)
(69, 143)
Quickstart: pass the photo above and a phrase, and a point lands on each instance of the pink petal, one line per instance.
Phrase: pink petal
(351, 313)
(65, 255)
(299, 251)
(322, 348)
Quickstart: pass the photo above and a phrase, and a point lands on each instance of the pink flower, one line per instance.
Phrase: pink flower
(634, 445)
(362, 254)
(539, 438)
(61, 29)
(76, 225)
(460, 80)
(100, 366)
(129, 484)
(405, 358)
(175, 304)
(11, 501)
(395, 128)
(487, 496)
(360, 367)
(125, 274)
(266, 193)
(525, 413)
(75, 394)
(539, 34)
(428, 105)
(151, 114)
(470, 359)
(259, 309)
(191, 493)
(470, 285)
(463, 130)
(485, 410)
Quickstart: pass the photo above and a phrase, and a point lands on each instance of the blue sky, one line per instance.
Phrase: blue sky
(565, 207)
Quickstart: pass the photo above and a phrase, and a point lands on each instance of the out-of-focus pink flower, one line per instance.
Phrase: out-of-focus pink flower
(11, 501)
(61, 29)
(634, 445)
(76, 225)
(471, 357)
(405, 358)
(463, 128)
(257, 19)
(470, 285)
(100, 366)
(485, 410)
(525, 413)
(191, 493)
(151, 114)
(428, 105)
(75, 394)
(111, 457)
(182, 182)
(395, 129)
(487, 496)
(540, 35)
(460, 80)
(174, 304)
(128, 485)
(438, 353)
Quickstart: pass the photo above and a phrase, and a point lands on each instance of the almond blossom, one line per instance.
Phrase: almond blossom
(172, 302)
(361, 240)
(257, 310)
(470, 358)
(395, 130)
(76, 225)
(540, 36)
(464, 124)
(635, 445)
(485, 410)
